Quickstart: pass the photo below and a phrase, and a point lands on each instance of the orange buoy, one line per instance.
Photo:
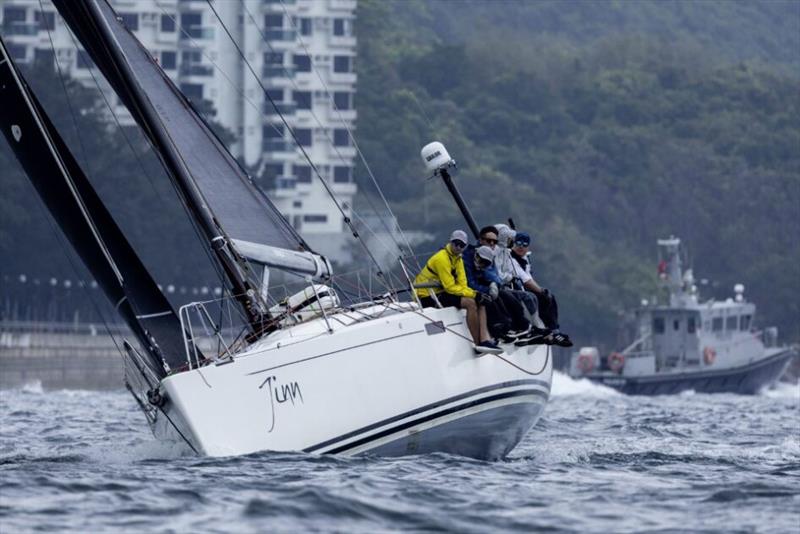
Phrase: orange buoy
(616, 361)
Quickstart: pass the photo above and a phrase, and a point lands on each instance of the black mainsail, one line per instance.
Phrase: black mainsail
(86, 222)
(237, 220)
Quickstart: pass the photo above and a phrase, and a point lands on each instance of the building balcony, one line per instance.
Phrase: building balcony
(271, 71)
(277, 145)
(344, 41)
(344, 188)
(196, 70)
(20, 28)
(343, 77)
(197, 32)
(285, 108)
(349, 5)
(280, 35)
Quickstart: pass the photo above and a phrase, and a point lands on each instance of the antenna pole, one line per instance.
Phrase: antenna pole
(448, 182)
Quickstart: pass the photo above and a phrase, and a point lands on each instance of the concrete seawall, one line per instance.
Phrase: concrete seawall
(61, 356)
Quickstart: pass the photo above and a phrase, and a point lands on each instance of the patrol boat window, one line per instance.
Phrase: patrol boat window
(690, 326)
(731, 323)
(658, 325)
(676, 324)
(716, 324)
(744, 324)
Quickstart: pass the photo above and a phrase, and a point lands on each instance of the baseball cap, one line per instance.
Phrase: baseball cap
(459, 235)
(522, 239)
(485, 253)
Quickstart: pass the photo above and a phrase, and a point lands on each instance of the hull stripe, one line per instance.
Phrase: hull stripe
(432, 406)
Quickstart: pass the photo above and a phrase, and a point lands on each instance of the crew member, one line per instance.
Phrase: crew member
(444, 281)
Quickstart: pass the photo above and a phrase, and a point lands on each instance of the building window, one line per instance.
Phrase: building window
(302, 63)
(658, 325)
(276, 95)
(341, 137)
(297, 204)
(341, 63)
(302, 173)
(716, 324)
(129, 20)
(167, 23)
(273, 59)
(273, 22)
(191, 24)
(191, 56)
(303, 136)
(169, 60)
(342, 100)
(338, 27)
(82, 60)
(305, 26)
(272, 171)
(44, 56)
(272, 131)
(731, 323)
(192, 91)
(17, 51)
(302, 99)
(342, 175)
(13, 15)
(46, 20)
(313, 218)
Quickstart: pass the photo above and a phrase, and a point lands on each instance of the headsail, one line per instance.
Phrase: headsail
(85, 221)
(216, 190)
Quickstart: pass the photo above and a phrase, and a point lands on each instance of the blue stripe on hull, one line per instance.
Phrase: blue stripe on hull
(745, 380)
(488, 434)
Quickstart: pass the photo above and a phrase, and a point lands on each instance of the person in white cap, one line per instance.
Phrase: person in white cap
(444, 281)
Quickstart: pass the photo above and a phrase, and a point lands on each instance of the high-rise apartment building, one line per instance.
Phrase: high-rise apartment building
(298, 57)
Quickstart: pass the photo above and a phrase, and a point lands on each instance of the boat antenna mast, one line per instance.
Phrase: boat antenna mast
(438, 161)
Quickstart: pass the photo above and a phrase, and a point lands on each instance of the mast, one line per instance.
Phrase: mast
(86, 222)
(140, 106)
(236, 220)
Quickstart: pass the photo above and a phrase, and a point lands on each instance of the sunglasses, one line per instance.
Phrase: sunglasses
(458, 244)
(521, 244)
(489, 240)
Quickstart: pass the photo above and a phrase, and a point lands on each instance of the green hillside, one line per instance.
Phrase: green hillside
(599, 127)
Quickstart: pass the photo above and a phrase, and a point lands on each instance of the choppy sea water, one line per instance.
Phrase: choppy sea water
(597, 462)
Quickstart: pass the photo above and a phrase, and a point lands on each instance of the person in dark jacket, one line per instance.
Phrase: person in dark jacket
(504, 315)
(547, 305)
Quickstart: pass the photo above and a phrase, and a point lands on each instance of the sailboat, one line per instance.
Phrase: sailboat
(310, 373)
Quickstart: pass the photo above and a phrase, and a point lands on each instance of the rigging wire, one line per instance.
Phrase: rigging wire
(380, 274)
(353, 138)
(147, 174)
(389, 231)
(275, 126)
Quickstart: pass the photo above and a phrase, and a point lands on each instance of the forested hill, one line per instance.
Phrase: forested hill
(600, 127)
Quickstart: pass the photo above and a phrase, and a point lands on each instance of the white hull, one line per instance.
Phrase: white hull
(390, 385)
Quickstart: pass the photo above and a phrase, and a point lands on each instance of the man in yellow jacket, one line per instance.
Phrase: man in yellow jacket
(445, 269)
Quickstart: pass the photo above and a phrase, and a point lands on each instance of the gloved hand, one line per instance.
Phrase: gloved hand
(494, 291)
(546, 292)
(483, 299)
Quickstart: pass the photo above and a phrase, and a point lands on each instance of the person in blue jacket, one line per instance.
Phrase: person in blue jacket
(504, 314)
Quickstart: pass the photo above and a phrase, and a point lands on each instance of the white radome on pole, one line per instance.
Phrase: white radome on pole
(435, 156)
